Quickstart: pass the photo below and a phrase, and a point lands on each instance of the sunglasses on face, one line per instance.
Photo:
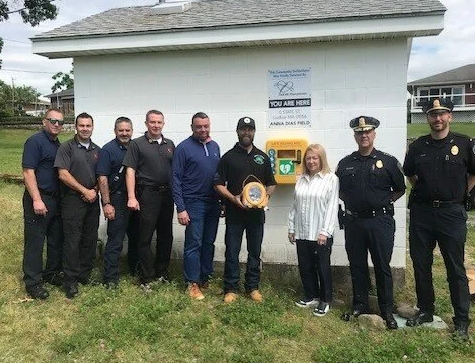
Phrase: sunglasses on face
(53, 121)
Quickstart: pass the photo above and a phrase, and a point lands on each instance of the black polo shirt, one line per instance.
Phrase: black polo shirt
(110, 165)
(233, 169)
(39, 153)
(151, 161)
(366, 182)
(441, 167)
(79, 161)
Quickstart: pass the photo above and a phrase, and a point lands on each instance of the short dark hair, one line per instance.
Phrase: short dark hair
(53, 110)
(83, 115)
(198, 115)
(154, 112)
(122, 119)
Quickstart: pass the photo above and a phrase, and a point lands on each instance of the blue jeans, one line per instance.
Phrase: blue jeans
(233, 239)
(200, 235)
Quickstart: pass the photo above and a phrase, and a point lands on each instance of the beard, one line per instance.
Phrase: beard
(246, 140)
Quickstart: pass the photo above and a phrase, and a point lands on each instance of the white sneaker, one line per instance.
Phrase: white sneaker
(307, 303)
(322, 309)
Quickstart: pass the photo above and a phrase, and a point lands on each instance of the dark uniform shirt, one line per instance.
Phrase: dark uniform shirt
(39, 154)
(233, 169)
(79, 161)
(441, 167)
(110, 164)
(151, 161)
(366, 182)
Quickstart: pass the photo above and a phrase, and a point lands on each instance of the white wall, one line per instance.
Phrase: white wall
(348, 79)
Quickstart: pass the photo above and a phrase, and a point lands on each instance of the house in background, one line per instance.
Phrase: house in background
(63, 100)
(37, 108)
(457, 84)
(224, 57)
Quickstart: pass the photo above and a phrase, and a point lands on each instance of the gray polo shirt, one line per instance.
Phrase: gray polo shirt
(151, 161)
(79, 161)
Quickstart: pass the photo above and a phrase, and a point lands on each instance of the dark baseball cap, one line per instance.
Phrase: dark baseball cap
(246, 122)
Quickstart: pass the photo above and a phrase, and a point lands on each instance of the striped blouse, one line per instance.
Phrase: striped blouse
(315, 208)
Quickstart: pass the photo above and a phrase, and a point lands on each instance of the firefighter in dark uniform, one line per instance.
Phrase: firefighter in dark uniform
(76, 162)
(370, 182)
(437, 166)
(111, 178)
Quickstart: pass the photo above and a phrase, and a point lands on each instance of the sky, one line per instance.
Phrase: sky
(454, 47)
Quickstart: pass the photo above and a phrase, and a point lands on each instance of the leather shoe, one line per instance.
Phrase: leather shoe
(353, 314)
(38, 292)
(71, 291)
(391, 323)
(55, 279)
(420, 318)
(461, 333)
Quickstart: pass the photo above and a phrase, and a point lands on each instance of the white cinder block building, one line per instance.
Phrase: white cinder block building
(217, 57)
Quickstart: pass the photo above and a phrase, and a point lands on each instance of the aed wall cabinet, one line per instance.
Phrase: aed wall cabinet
(286, 158)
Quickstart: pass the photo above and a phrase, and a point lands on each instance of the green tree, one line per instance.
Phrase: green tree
(63, 81)
(33, 12)
(13, 100)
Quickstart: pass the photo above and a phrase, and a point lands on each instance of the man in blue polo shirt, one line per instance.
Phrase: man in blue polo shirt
(111, 176)
(41, 211)
(193, 168)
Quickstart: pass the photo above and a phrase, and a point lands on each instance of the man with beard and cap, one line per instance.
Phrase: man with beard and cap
(193, 168)
(242, 164)
(437, 166)
(111, 177)
(370, 182)
(76, 162)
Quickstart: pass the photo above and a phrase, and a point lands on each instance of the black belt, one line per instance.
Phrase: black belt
(51, 194)
(438, 203)
(156, 188)
(371, 213)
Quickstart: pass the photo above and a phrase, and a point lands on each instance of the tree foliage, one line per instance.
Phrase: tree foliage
(13, 99)
(33, 12)
(62, 81)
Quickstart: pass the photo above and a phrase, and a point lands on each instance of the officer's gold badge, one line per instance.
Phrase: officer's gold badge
(454, 150)
(379, 164)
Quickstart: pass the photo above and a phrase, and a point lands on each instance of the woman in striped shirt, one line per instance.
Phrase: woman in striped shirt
(311, 224)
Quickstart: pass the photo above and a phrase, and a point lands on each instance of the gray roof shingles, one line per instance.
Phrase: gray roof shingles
(457, 75)
(238, 13)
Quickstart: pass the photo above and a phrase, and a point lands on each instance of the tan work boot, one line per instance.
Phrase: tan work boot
(195, 292)
(230, 297)
(256, 296)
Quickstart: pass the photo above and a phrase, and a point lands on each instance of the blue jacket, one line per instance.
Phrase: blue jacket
(193, 168)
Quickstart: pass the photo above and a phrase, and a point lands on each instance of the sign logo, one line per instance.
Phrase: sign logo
(286, 167)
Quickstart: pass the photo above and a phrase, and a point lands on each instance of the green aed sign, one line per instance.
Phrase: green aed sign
(286, 167)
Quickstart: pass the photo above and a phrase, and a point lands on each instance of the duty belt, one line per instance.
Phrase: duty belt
(371, 213)
(51, 194)
(437, 203)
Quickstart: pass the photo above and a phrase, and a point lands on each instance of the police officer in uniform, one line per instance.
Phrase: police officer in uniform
(370, 182)
(111, 178)
(437, 165)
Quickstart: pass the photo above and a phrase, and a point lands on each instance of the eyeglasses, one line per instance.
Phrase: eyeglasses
(53, 121)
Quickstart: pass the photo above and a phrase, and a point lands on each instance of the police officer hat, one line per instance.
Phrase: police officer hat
(246, 122)
(438, 104)
(364, 123)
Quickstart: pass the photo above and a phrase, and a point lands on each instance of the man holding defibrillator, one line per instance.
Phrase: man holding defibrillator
(240, 166)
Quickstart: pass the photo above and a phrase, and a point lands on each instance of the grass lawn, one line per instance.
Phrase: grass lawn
(127, 325)
(416, 130)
